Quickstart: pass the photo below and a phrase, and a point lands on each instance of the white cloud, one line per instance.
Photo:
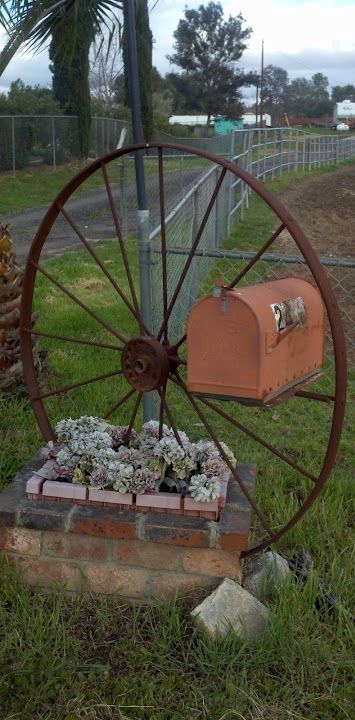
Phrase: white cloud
(295, 34)
(304, 37)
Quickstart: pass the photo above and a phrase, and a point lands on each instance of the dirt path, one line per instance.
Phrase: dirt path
(325, 208)
(92, 215)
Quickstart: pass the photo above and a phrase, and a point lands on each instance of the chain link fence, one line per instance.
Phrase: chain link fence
(33, 140)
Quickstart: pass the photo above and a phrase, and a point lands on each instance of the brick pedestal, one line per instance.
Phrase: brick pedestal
(136, 555)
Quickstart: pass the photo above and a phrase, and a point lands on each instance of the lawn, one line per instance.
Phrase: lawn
(39, 186)
(72, 658)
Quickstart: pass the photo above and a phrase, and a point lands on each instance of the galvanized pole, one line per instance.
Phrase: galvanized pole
(145, 260)
(53, 144)
(13, 146)
(262, 86)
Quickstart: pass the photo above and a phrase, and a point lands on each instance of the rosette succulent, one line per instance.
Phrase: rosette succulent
(204, 488)
(94, 453)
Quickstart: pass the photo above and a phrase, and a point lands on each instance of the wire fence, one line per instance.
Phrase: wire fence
(27, 141)
(263, 153)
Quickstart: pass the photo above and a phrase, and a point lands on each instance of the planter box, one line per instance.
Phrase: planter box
(195, 508)
(55, 489)
(34, 487)
(40, 488)
(158, 501)
(110, 498)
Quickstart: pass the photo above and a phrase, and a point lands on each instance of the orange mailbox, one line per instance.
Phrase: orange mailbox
(257, 342)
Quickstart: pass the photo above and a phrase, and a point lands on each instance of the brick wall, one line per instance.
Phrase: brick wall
(136, 555)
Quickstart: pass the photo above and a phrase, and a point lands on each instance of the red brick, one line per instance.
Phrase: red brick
(146, 554)
(106, 528)
(45, 572)
(233, 529)
(166, 585)
(21, 541)
(218, 563)
(128, 582)
(78, 547)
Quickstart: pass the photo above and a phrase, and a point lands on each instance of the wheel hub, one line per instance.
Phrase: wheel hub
(145, 363)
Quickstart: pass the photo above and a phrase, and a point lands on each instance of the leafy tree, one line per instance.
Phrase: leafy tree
(309, 98)
(275, 92)
(161, 93)
(71, 25)
(27, 100)
(343, 92)
(207, 48)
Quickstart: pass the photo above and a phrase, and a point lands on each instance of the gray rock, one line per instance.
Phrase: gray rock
(265, 573)
(230, 606)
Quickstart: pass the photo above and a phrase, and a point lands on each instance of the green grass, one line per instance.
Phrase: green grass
(39, 186)
(96, 658)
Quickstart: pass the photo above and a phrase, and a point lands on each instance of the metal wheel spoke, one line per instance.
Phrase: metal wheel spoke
(257, 257)
(258, 439)
(116, 221)
(133, 417)
(96, 378)
(233, 470)
(99, 262)
(161, 411)
(78, 302)
(118, 404)
(163, 240)
(170, 418)
(192, 252)
(65, 338)
(180, 342)
(315, 396)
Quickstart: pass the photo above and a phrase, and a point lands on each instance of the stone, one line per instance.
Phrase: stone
(266, 572)
(231, 607)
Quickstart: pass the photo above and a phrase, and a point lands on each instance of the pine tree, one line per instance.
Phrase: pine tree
(71, 79)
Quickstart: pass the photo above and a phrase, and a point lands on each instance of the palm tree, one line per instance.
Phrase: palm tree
(11, 374)
(71, 27)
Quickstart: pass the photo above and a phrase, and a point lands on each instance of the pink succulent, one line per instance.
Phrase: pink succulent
(98, 477)
(61, 471)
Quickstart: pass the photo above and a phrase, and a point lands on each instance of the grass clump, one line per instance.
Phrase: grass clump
(100, 658)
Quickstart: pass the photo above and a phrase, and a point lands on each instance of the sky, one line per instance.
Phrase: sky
(304, 37)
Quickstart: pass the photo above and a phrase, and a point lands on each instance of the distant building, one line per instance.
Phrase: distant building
(344, 111)
(222, 125)
(250, 120)
(191, 120)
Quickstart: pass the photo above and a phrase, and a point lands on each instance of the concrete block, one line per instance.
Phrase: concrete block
(231, 607)
(265, 572)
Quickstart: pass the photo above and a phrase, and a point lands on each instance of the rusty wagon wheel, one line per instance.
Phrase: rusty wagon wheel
(144, 360)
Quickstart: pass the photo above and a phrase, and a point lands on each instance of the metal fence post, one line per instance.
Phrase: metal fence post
(150, 399)
(13, 147)
(217, 238)
(53, 143)
(123, 213)
(230, 185)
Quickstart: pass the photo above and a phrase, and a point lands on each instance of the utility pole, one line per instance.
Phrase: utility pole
(256, 103)
(262, 86)
(149, 404)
